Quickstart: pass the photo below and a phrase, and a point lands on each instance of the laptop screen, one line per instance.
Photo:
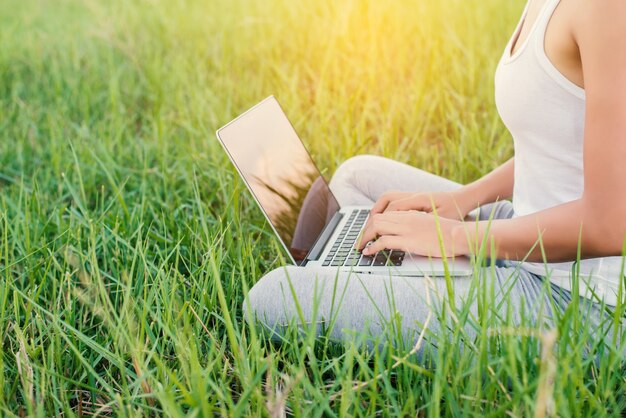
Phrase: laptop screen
(281, 175)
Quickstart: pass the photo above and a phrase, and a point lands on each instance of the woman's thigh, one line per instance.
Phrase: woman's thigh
(361, 180)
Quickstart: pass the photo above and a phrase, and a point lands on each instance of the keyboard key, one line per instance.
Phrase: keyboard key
(351, 262)
(397, 257)
(366, 260)
(326, 263)
(381, 258)
(380, 261)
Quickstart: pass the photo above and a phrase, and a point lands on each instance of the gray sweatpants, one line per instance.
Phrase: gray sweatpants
(399, 308)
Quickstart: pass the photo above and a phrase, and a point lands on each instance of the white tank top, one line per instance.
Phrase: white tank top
(545, 113)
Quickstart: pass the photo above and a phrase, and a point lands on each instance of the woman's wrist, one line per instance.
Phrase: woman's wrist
(466, 199)
(497, 185)
(476, 194)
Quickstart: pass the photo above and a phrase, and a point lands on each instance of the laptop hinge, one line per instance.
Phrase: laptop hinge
(319, 245)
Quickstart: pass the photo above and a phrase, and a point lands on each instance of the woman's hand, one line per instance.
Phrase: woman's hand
(415, 232)
(451, 205)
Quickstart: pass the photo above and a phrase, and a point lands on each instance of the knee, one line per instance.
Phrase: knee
(264, 298)
(352, 169)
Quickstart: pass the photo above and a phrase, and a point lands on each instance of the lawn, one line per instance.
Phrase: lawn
(127, 241)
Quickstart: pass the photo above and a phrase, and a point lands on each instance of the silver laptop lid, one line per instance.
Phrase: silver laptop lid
(278, 170)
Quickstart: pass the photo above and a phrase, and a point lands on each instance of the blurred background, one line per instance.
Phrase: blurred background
(412, 80)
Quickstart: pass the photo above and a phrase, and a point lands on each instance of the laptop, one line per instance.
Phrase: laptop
(302, 210)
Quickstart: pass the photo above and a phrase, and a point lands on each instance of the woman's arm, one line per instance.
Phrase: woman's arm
(556, 232)
(494, 186)
(598, 219)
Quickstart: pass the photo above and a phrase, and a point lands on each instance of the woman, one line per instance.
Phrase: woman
(561, 91)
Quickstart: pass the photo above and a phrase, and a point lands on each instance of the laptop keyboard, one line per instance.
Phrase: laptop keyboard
(343, 253)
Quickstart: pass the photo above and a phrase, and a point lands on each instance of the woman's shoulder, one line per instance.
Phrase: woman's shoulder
(593, 16)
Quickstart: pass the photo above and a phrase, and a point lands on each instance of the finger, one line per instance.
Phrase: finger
(422, 203)
(380, 205)
(368, 222)
(390, 242)
(387, 215)
(383, 201)
(387, 223)
(400, 204)
(369, 231)
(402, 215)
(378, 227)
(366, 236)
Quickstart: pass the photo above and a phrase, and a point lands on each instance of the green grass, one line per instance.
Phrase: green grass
(127, 242)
